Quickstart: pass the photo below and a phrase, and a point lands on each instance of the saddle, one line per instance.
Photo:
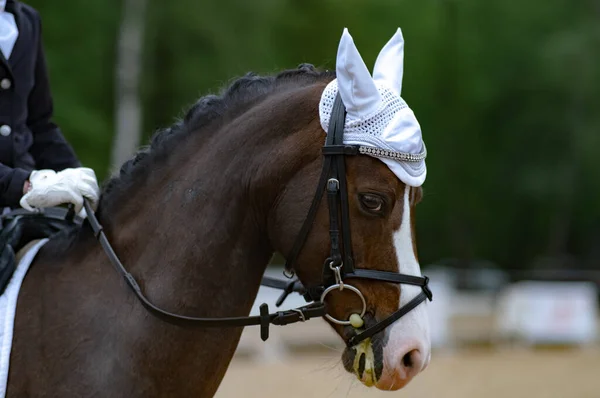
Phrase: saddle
(20, 227)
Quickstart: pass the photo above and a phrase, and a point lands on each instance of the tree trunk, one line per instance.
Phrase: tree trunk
(128, 111)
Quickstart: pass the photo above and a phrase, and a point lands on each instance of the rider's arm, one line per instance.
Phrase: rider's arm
(12, 185)
(50, 149)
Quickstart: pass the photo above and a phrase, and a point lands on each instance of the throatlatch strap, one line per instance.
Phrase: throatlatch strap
(310, 218)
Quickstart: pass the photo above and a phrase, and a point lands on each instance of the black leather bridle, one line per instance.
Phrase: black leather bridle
(338, 267)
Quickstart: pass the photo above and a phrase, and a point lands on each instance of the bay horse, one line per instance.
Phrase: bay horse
(197, 216)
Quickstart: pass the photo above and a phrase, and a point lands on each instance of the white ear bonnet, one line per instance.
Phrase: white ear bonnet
(378, 119)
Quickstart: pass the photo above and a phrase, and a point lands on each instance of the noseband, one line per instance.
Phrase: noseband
(338, 267)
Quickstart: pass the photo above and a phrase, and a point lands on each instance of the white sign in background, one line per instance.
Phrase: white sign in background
(550, 312)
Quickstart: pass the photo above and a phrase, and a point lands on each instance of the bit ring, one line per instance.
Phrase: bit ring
(348, 287)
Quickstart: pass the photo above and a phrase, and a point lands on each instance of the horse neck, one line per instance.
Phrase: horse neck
(197, 231)
(194, 234)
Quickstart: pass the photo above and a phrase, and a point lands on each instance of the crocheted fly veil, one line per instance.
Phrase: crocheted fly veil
(378, 119)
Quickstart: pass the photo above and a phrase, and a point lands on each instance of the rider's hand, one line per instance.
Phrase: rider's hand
(26, 187)
(49, 188)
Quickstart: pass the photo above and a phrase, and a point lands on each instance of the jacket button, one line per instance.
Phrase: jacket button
(5, 84)
(5, 130)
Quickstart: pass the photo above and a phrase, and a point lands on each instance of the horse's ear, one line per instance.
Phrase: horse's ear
(389, 66)
(355, 83)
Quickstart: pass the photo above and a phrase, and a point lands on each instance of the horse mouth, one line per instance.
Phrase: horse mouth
(365, 361)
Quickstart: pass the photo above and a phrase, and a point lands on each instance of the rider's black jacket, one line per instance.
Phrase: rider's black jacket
(28, 138)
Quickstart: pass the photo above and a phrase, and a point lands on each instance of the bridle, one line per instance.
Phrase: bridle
(338, 267)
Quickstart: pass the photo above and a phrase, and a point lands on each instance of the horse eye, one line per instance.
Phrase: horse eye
(372, 203)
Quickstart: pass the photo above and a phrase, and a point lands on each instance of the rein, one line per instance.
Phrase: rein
(279, 318)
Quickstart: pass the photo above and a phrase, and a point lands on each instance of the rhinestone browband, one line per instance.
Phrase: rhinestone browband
(402, 156)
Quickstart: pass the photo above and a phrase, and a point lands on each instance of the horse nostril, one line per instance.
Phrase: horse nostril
(412, 362)
(407, 359)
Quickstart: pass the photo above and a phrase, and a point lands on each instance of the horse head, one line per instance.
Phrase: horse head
(379, 189)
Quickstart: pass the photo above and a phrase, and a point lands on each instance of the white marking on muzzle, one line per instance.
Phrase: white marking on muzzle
(412, 330)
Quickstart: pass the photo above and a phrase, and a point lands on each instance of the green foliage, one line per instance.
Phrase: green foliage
(79, 41)
(506, 95)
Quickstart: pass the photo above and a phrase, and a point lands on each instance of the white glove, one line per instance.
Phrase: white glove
(49, 188)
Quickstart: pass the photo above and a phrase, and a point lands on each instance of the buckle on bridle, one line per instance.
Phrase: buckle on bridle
(301, 314)
(299, 311)
(333, 185)
(289, 273)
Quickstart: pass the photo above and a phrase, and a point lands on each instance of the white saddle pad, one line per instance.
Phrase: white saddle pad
(8, 306)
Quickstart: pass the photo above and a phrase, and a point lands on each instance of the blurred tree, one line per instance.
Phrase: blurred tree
(128, 66)
(79, 39)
